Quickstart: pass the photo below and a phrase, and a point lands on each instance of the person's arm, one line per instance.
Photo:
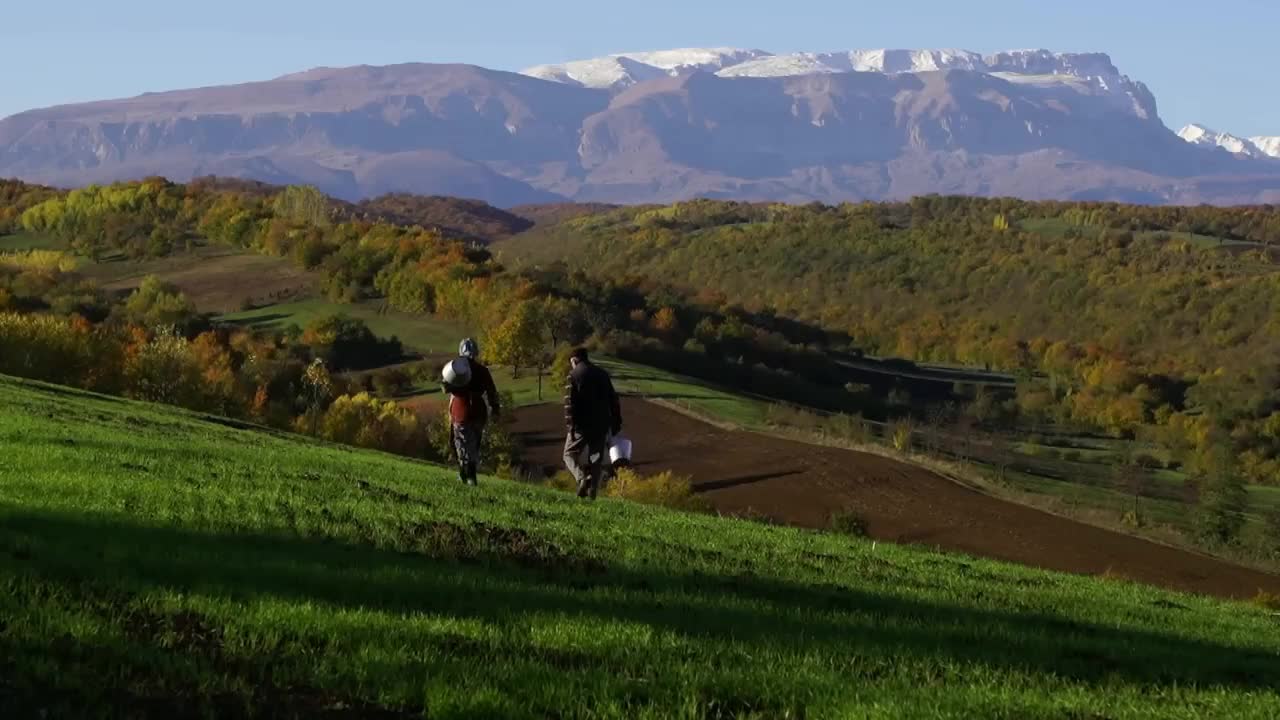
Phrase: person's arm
(491, 394)
(570, 402)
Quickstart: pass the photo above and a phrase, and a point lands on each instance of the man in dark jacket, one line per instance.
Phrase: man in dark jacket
(592, 413)
(469, 412)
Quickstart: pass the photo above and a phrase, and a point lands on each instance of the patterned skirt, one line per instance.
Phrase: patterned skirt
(466, 443)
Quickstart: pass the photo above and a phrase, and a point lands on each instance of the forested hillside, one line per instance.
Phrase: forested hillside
(1145, 333)
(1126, 318)
(57, 325)
(471, 219)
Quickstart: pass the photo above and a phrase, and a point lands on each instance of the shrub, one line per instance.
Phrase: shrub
(45, 261)
(1220, 515)
(1148, 461)
(425, 373)
(163, 369)
(346, 343)
(156, 303)
(44, 348)
(1132, 519)
(365, 421)
(563, 481)
(560, 365)
(391, 382)
(787, 416)
(901, 433)
(847, 522)
(1271, 531)
(851, 428)
(1264, 599)
(665, 489)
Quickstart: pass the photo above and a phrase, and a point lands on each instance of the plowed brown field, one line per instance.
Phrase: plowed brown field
(801, 484)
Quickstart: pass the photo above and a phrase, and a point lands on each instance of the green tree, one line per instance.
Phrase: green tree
(1223, 499)
(519, 339)
(164, 370)
(303, 204)
(156, 303)
(1131, 480)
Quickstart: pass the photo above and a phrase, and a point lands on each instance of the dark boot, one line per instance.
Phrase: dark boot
(471, 475)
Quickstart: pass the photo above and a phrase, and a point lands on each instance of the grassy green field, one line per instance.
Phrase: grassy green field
(699, 397)
(424, 334)
(28, 241)
(156, 563)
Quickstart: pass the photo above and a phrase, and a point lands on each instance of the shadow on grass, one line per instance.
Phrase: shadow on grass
(670, 396)
(487, 573)
(257, 321)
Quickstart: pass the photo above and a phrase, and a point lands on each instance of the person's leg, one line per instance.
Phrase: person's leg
(597, 454)
(474, 465)
(473, 453)
(460, 450)
(574, 448)
(467, 445)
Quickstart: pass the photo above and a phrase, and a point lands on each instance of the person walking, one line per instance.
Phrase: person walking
(473, 398)
(592, 413)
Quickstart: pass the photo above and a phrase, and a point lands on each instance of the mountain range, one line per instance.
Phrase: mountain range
(667, 125)
(1257, 146)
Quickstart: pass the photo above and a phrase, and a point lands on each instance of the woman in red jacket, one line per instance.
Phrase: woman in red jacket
(473, 397)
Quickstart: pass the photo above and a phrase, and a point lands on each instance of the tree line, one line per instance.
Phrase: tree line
(1135, 321)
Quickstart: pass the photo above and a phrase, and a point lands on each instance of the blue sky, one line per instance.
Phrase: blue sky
(1206, 62)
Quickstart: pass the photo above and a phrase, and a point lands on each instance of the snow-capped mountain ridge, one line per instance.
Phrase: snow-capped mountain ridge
(1268, 145)
(1255, 147)
(739, 62)
(623, 70)
(1091, 73)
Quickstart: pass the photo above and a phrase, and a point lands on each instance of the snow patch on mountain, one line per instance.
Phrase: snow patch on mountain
(1091, 73)
(882, 61)
(608, 71)
(787, 65)
(1270, 146)
(1197, 134)
(626, 69)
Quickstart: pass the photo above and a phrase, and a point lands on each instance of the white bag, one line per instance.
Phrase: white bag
(620, 450)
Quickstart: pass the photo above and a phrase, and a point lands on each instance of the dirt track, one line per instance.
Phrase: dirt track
(803, 484)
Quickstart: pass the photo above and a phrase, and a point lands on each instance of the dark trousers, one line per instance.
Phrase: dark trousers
(466, 445)
(585, 457)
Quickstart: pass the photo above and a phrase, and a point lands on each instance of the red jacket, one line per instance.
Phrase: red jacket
(467, 406)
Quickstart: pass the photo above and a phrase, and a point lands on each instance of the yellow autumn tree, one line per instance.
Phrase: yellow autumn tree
(518, 340)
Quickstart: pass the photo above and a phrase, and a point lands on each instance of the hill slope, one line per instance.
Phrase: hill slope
(158, 562)
(748, 474)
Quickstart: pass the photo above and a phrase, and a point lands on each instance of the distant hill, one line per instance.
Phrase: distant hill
(933, 280)
(559, 212)
(471, 219)
(661, 127)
